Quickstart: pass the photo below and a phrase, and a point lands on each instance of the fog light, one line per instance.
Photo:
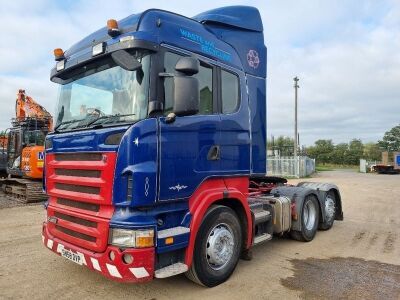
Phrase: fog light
(111, 255)
(127, 258)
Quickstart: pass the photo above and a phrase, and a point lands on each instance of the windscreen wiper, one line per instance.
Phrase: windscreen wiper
(108, 117)
(65, 123)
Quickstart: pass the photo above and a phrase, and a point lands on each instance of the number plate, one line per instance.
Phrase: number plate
(76, 258)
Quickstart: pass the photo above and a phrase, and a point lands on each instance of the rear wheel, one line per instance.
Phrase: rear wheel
(217, 247)
(329, 211)
(309, 220)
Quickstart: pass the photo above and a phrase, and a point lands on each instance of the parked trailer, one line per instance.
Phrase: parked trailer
(157, 163)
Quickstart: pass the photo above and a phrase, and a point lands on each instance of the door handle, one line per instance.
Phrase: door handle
(214, 153)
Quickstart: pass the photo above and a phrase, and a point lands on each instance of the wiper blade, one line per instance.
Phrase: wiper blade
(108, 117)
(65, 123)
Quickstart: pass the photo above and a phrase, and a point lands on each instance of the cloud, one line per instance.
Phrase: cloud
(346, 54)
(348, 75)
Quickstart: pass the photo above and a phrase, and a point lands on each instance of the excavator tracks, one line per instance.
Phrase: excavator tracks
(23, 190)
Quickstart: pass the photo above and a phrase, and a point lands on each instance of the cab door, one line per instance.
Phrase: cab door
(235, 138)
(189, 150)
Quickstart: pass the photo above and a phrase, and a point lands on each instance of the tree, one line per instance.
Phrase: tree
(372, 152)
(321, 151)
(283, 144)
(391, 140)
(356, 151)
(339, 154)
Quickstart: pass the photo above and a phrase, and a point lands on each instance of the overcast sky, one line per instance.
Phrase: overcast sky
(346, 54)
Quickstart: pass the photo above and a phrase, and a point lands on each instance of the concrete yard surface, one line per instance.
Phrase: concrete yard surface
(357, 258)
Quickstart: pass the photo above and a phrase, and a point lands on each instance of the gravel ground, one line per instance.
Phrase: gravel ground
(357, 258)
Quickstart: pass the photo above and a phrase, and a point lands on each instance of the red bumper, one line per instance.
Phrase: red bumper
(140, 270)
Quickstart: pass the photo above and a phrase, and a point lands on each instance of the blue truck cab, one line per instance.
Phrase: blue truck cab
(157, 162)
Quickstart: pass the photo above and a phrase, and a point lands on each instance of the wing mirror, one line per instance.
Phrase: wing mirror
(186, 87)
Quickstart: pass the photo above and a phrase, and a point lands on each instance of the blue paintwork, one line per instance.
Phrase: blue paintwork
(170, 160)
(91, 140)
(258, 120)
(245, 17)
(137, 156)
(241, 27)
(171, 214)
(180, 241)
(184, 146)
(234, 138)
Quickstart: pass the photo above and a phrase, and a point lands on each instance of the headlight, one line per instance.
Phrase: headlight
(127, 238)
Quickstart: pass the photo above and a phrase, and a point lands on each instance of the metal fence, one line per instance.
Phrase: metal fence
(302, 166)
(366, 165)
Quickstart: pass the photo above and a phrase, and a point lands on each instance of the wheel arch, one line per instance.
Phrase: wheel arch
(213, 192)
(322, 189)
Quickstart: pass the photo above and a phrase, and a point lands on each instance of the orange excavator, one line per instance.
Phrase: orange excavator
(25, 150)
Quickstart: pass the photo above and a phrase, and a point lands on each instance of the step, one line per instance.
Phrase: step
(171, 270)
(261, 216)
(262, 238)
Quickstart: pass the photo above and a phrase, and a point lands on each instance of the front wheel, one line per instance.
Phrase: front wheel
(309, 220)
(217, 247)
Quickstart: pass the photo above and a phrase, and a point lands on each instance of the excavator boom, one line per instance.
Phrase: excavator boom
(27, 108)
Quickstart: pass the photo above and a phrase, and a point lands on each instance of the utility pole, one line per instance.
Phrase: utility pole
(296, 86)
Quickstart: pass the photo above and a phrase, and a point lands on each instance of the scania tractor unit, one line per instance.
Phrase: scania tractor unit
(157, 162)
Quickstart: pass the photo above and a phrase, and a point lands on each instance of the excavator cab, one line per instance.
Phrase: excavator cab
(25, 147)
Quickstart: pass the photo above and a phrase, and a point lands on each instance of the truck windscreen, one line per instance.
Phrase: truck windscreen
(104, 94)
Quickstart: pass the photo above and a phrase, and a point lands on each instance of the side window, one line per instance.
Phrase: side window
(229, 92)
(205, 77)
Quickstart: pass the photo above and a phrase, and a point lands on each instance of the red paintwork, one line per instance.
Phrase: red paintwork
(141, 258)
(103, 199)
(209, 192)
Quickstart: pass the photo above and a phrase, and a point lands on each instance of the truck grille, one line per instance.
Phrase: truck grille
(78, 185)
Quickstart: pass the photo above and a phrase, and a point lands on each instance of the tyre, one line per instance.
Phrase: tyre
(217, 247)
(309, 220)
(329, 211)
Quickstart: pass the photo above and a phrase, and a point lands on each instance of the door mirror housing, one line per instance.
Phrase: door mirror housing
(186, 87)
(187, 65)
(186, 95)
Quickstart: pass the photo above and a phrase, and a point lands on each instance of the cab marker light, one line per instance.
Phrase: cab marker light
(126, 38)
(98, 49)
(169, 240)
(60, 65)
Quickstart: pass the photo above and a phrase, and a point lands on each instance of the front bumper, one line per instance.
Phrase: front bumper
(140, 270)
